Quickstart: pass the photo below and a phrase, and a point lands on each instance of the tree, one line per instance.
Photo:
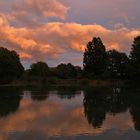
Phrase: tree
(117, 64)
(39, 69)
(95, 57)
(61, 71)
(135, 50)
(10, 65)
(66, 71)
(134, 67)
(79, 71)
(71, 70)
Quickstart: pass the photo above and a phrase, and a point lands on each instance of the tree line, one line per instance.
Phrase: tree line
(98, 63)
(112, 64)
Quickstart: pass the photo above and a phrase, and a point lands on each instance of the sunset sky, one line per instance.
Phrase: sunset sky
(57, 31)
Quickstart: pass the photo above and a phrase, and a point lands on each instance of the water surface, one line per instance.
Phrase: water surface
(96, 113)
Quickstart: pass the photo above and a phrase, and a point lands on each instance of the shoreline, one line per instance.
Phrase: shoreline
(69, 83)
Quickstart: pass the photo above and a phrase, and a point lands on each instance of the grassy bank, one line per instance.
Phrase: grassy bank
(68, 83)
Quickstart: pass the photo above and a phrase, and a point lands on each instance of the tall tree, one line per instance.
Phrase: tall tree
(135, 50)
(10, 65)
(134, 70)
(95, 57)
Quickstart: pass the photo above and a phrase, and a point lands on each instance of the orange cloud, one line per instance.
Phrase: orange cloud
(25, 56)
(50, 40)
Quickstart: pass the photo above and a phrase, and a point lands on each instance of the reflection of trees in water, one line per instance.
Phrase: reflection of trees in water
(94, 107)
(36, 95)
(67, 94)
(117, 101)
(10, 99)
(100, 101)
(43, 95)
(135, 110)
(40, 96)
(9, 102)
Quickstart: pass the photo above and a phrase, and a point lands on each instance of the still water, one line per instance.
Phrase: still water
(96, 113)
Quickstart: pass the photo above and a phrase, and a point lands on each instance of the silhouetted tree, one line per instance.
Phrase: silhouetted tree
(40, 69)
(95, 57)
(79, 71)
(117, 64)
(10, 65)
(135, 51)
(62, 71)
(134, 66)
(53, 72)
(66, 71)
(72, 72)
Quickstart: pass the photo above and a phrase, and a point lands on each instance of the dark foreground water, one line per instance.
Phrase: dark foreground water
(97, 113)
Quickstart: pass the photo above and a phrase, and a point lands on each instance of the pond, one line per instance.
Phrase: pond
(70, 114)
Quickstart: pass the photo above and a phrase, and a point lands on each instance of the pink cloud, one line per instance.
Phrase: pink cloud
(53, 39)
(43, 8)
